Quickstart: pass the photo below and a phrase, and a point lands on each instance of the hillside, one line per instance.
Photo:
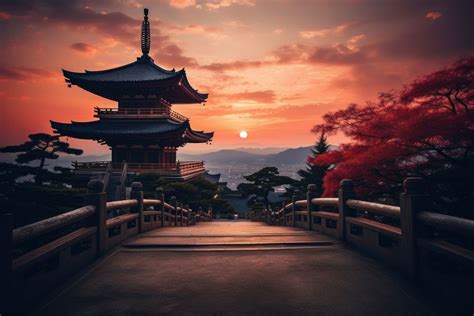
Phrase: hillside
(291, 156)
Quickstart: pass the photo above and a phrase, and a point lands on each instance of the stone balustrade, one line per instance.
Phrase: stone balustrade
(80, 236)
(399, 240)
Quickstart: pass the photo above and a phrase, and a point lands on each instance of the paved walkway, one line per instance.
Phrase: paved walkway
(235, 268)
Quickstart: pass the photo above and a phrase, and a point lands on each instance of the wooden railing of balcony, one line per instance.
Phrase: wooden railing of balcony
(181, 167)
(51, 250)
(399, 240)
(158, 112)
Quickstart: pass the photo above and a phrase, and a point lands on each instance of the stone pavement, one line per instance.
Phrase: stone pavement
(236, 268)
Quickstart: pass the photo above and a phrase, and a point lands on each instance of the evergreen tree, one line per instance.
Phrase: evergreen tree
(314, 174)
(261, 183)
(40, 147)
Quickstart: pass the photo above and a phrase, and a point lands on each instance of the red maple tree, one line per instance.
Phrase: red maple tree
(426, 130)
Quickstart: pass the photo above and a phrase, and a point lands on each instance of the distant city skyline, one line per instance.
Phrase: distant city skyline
(272, 68)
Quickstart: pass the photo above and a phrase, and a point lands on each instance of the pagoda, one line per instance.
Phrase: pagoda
(143, 132)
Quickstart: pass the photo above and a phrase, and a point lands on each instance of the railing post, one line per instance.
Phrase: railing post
(284, 213)
(346, 192)
(137, 194)
(159, 195)
(311, 193)
(186, 206)
(175, 209)
(209, 211)
(412, 201)
(293, 207)
(97, 197)
(6, 259)
(200, 213)
(181, 205)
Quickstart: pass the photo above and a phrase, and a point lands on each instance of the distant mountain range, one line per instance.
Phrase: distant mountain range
(290, 156)
(271, 156)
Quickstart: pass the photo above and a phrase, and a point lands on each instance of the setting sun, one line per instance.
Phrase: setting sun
(243, 134)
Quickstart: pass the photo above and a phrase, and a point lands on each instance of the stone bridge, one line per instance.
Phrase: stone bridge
(317, 256)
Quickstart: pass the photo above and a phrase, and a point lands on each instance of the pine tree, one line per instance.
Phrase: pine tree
(40, 147)
(314, 174)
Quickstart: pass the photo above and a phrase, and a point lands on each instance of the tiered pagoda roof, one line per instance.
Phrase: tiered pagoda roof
(168, 132)
(142, 77)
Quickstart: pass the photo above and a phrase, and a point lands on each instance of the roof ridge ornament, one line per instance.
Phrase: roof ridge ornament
(145, 34)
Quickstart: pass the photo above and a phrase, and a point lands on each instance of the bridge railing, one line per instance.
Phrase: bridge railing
(394, 234)
(50, 250)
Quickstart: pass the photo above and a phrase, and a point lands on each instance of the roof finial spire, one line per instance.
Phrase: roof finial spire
(145, 34)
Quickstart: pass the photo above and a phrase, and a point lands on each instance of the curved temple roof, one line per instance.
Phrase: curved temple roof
(167, 132)
(140, 77)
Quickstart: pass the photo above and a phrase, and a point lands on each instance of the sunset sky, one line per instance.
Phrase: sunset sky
(272, 68)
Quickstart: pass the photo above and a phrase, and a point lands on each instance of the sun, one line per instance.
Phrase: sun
(243, 134)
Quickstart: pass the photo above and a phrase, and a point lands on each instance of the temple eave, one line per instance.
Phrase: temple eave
(178, 135)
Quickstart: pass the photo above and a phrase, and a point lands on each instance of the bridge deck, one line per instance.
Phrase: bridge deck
(236, 268)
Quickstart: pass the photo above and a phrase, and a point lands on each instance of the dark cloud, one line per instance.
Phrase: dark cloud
(238, 64)
(173, 56)
(24, 73)
(81, 16)
(83, 47)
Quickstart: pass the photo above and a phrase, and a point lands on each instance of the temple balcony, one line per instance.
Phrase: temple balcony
(138, 113)
(181, 170)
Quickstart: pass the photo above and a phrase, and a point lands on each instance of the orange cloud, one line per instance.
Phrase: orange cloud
(324, 32)
(193, 29)
(433, 15)
(4, 16)
(182, 4)
(267, 96)
(217, 4)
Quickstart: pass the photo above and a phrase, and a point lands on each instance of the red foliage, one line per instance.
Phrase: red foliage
(427, 130)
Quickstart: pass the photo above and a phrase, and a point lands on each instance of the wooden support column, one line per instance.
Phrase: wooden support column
(346, 192)
(311, 193)
(137, 194)
(175, 209)
(97, 197)
(159, 195)
(413, 200)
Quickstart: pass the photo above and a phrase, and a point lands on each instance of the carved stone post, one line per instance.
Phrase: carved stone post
(191, 219)
(284, 213)
(412, 201)
(186, 207)
(161, 196)
(97, 197)
(6, 259)
(175, 209)
(293, 206)
(137, 194)
(200, 213)
(311, 193)
(346, 192)
(181, 206)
